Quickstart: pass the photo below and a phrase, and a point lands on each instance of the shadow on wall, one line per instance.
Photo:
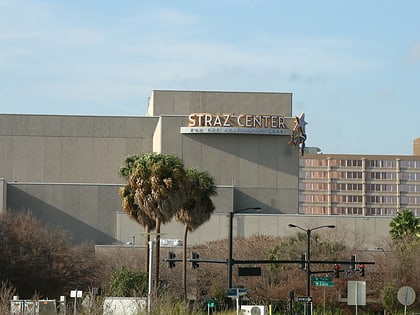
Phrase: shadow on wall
(269, 206)
(21, 200)
(257, 149)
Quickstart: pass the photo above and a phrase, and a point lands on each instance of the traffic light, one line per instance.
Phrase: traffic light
(336, 271)
(362, 270)
(303, 261)
(171, 263)
(195, 264)
(353, 262)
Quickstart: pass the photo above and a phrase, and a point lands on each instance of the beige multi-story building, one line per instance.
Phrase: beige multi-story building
(359, 185)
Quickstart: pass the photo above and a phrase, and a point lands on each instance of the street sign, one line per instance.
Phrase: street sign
(406, 295)
(211, 303)
(76, 293)
(317, 278)
(356, 293)
(249, 271)
(305, 299)
(235, 292)
(322, 281)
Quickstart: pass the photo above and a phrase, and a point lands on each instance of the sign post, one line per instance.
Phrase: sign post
(76, 294)
(356, 293)
(210, 304)
(406, 296)
(236, 293)
(305, 299)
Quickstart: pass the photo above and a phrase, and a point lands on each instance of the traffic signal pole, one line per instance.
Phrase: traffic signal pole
(308, 271)
(308, 262)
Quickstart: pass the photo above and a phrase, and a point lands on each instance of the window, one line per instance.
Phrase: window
(313, 210)
(410, 164)
(381, 211)
(354, 199)
(381, 175)
(313, 198)
(354, 211)
(381, 163)
(410, 176)
(413, 188)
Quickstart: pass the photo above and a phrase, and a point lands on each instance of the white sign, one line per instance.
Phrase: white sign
(232, 120)
(254, 131)
(356, 293)
(238, 123)
(76, 293)
(406, 295)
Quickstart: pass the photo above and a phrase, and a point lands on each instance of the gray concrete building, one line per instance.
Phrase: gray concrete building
(65, 168)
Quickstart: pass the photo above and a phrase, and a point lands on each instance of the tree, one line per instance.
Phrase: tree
(197, 209)
(405, 233)
(129, 205)
(41, 259)
(405, 226)
(125, 282)
(158, 183)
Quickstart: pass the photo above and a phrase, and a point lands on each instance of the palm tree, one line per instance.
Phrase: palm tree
(134, 212)
(405, 226)
(131, 208)
(158, 181)
(196, 210)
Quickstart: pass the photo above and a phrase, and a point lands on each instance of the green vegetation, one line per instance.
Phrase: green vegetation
(405, 227)
(160, 188)
(124, 282)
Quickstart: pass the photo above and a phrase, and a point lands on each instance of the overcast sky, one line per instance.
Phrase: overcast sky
(353, 66)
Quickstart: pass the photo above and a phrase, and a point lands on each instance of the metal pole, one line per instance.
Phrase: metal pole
(308, 270)
(230, 260)
(75, 303)
(149, 292)
(230, 250)
(308, 307)
(291, 300)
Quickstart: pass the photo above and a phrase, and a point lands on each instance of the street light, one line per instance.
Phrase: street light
(308, 259)
(230, 261)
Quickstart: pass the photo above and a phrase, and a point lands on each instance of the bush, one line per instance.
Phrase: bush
(41, 260)
(125, 282)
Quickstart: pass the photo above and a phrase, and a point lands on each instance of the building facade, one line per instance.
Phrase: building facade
(65, 168)
(361, 185)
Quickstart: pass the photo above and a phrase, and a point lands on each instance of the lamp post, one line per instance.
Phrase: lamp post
(230, 261)
(308, 259)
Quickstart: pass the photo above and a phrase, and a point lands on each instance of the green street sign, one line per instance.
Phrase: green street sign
(317, 278)
(323, 283)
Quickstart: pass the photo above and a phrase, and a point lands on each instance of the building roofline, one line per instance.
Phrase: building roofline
(361, 156)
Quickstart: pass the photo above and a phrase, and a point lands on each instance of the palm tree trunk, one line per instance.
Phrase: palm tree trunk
(184, 273)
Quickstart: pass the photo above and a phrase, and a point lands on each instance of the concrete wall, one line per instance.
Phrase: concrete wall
(65, 149)
(3, 195)
(357, 232)
(88, 211)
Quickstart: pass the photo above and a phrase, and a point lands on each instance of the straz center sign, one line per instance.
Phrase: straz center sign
(242, 123)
